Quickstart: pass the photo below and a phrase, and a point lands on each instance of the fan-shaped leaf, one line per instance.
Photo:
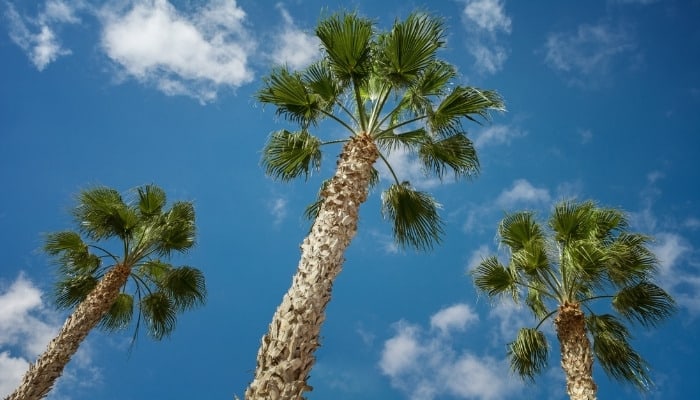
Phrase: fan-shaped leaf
(289, 155)
(152, 199)
(72, 290)
(492, 278)
(415, 216)
(645, 303)
(120, 314)
(346, 41)
(159, 312)
(185, 286)
(528, 353)
(454, 152)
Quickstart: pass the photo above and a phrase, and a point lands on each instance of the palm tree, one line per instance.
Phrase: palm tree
(388, 91)
(586, 255)
(95, 280)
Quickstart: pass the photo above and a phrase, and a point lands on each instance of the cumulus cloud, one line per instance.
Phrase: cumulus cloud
(409, 169)
(497, 135)
(486, 21)
(36, 36)
(523, 192)
(293, 46)
(677, 272)
(585, 56)
(26, 327)
(424, 364)
(194, 54)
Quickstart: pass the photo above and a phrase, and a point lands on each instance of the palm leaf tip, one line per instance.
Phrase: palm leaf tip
(414, 215)
(645, 303)
(455, 153)
(492, 278)
(289, 155)
(528, 353)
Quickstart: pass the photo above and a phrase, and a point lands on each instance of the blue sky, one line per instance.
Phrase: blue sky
(602, 97)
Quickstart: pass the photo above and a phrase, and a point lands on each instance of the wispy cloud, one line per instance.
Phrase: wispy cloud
(36, 36)
(497, 135)
(278, 209)
(26, 327)
(523, 192)
(486, 22)
(585, 56)
(424, 363)
(195, 54)
(409, 169)
(293, 46)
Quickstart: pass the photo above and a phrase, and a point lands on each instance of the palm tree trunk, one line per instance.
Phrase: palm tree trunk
(576, 354)
(286, 354)
(40, 377)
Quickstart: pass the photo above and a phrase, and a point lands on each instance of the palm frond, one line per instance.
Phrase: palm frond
(153, 270)
(494, 279)
(410, 48)
(319, 80)
(176, 231)
(518, 229)
(185, 286)
(120, 314)
(159, 312)
(572, 221)
(464, 102)
(286, 90)
(389, 140)
(346, 40)
(455, 152)
(414, 215)
(532, 258)
(528, 353)
(71, 253)
(629, 260)
(535, 302)
(102, 213)
(608, 221)
(289, 155)
(151, 200)
(614, 353)
(72, 290)
(645, 303)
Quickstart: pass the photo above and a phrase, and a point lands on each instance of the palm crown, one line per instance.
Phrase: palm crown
(144, 235)
(586, 254)
(392, 88)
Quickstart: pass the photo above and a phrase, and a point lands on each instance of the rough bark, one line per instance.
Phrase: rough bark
(286, 354)
(576, 353)
(41, 376)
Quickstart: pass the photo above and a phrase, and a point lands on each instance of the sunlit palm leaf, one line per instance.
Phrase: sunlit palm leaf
(159, 313)
(572, 221)
(345, 39)
(185, 286)
(414, 215)
(286, 90)
(645, 303)
(319, 79)
(102, 214)
(119, 314)
(464, 102)
(528, 353)
(154, 271)
(177, 230)
(629, 260)
(390, 140)
(410, 48)
(455, 153)
(152, 199)
(613, 351)
(72, 290)
(289, 155)
(535, 302)
(492, 278)
(608, 222)
(71, 253)
(518, 229)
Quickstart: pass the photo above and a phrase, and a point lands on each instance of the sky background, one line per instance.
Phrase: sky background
(603, 100)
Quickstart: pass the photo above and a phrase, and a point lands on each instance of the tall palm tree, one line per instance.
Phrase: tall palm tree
(586, 255)
(96, 281)
(388, 91)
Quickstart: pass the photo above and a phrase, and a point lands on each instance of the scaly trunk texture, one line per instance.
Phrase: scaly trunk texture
(40, 377)
(286, 353)
(576, 354)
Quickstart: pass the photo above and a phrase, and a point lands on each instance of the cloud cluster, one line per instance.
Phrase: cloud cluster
(292, 46)
(424, 364)
(486, 21)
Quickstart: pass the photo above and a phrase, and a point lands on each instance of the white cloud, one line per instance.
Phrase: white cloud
(586, 135)
(455, 317)
(179, 54)
(424, 364)
(36, 36)
(485, 21)
(408, 168)
(278, 209)
(677, 273)
(522, 191)
(497, 135)
(26, 327)
(293, 46)
(586, 55)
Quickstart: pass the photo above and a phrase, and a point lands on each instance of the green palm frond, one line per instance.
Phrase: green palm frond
(415, 216)
(528, 353)
(612, 349)
(120, 314)
(153, 270)
(389, 140)
(455, 152)
(492, 278)
(518, 229)
(463, 102)
(185, 286)
(159, 312)
(319, 79)
(71, 253)
(152, 199)
(288, 155)
(535, 302)
(71, 290)
(102, 213)
(410, 48)
(287, 91)
(645, 303)
(572, 221)
(607, 222)
(346, 41)
(629, 260)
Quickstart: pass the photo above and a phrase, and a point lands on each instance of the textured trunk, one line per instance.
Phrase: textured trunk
(286, 353)
(40, 377)
(576, 354)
